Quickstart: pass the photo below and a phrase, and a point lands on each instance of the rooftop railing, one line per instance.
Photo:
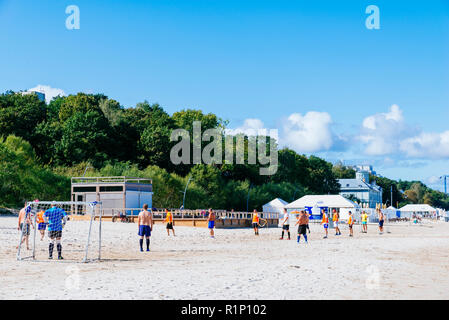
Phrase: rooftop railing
(117, 179)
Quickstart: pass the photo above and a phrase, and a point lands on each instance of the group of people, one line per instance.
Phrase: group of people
(53, 220)
(145, 224)
(303, 223)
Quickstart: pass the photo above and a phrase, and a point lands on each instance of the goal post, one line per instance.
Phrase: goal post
(77, 236)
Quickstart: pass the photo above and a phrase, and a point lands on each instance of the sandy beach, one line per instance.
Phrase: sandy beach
(410, 262)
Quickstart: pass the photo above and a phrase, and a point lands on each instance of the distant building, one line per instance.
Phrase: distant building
(117, 194)
(40, 95)
(360, 190)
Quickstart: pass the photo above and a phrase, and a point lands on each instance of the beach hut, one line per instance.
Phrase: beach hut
(424, 210)
(275, 206)
(326, 202)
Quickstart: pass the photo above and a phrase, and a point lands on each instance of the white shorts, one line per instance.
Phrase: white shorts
(336, 223)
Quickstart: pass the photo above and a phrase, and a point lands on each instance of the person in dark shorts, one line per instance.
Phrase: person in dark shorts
(169, 221)
(381, 221)
(56, 219)
(211, 223)
(145, 226)
(285, 225)
(302, 224)
(255, 222)
(24, 225)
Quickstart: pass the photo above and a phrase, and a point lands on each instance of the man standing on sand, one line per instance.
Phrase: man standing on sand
(41, 225)
(335, 220)
(302, 224)
(325, 222)
(169, 221)
(24, 218)
(285, 225)
(256, 222)
(56, 219)
(350, 224)
(211, 222)
(145, 226)
(364, 218)
(381, 221)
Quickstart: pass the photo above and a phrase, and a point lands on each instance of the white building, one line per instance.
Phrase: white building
(367, 194)
(40, 95)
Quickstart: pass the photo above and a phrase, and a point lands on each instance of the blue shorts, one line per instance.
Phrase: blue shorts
(144, 231)
(42, 226)
(364, 222)
(211, 224)
(325, 226)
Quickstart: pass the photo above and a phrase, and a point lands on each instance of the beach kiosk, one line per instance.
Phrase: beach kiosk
(315, 203)
(117, 194)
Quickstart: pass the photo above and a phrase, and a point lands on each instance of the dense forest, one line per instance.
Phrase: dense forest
(43, 145)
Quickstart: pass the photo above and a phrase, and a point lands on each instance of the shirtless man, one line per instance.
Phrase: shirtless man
(211, 223)
(381, 221)
(145, 226)
(302, 223)
(24, 230)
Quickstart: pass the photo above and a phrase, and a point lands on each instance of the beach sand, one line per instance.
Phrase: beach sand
(410, 262)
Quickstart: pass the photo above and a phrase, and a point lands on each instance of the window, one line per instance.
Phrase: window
(111, 189)
(84, 189)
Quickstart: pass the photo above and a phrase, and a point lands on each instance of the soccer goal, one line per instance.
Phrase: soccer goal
(53, 226)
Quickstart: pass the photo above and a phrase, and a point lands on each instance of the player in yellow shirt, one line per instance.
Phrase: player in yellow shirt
(364, 218)
(169, 221)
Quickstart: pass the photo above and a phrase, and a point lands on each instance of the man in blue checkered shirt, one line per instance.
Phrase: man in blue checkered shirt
(56, 219)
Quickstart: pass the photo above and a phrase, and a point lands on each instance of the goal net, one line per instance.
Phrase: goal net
(51, 230)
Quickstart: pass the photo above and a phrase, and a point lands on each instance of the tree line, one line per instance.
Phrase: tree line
(43, 145)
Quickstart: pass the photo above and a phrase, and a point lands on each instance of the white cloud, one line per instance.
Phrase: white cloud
(250, 127)
(381, 133)
(427, 145)
(49, 92)
(308, 133)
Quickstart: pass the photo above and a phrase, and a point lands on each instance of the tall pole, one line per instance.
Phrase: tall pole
(247, 199)
(185, 190)
(391, 195)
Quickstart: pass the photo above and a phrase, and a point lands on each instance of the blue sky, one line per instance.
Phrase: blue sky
(309, 68)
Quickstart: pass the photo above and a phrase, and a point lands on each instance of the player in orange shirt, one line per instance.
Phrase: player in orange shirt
(256, 222)
(325, 222)
(41, 223)
(169, 221)
(350, 224)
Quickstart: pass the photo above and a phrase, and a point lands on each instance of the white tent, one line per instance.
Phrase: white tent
(329, 201)
(326, 201)
(392, 212)
(421, 209)
(275, 206)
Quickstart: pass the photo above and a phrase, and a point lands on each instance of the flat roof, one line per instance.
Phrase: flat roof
(117, 179)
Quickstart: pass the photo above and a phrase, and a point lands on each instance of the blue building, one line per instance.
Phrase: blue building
(368, 195)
